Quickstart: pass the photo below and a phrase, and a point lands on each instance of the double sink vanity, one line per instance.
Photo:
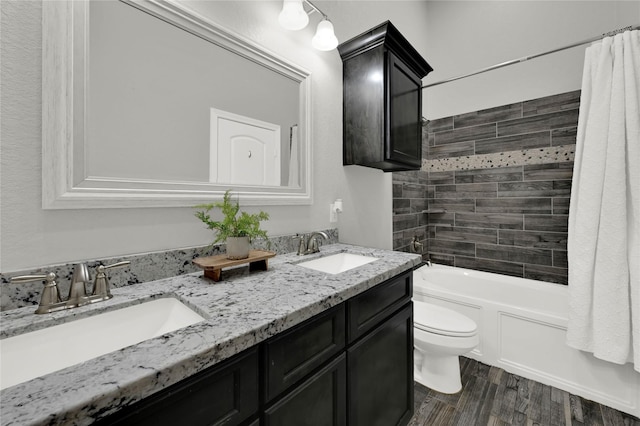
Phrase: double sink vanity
(326, 337)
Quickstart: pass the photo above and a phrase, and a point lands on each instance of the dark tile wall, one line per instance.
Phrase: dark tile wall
(491, 213)
(410, 198)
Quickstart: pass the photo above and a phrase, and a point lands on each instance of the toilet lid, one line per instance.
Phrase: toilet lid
(439, 320)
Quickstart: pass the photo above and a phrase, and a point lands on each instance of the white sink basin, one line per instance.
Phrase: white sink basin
(30, 355)
(336, 263)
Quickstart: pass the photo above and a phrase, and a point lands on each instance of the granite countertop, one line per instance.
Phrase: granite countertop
(241, 310)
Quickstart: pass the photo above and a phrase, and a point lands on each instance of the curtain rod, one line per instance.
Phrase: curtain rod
(526, 58)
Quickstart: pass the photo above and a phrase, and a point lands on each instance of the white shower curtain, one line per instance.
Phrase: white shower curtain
(604, 213)
(294, 168)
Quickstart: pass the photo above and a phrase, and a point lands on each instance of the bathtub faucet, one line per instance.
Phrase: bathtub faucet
(416, 246)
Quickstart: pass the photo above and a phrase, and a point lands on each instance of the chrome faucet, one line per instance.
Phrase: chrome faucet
(50, 300)
(310, 245)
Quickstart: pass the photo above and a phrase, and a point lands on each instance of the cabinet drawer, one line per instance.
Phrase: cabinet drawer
(380, 373)
(321, 400)
(226, 394)
(296, 353)
(368, 309)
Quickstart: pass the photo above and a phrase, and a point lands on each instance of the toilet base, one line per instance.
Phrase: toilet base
(440, 373)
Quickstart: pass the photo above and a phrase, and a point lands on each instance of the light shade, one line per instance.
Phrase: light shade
(325, 39)
(293, 17)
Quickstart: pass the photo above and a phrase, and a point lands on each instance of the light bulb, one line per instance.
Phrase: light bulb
(293, 17)
(325, 39)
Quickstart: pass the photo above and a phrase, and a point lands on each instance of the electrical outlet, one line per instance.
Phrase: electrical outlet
(333, 215)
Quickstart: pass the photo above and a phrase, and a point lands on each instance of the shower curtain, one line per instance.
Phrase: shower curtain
(604, 213)
(294, 172)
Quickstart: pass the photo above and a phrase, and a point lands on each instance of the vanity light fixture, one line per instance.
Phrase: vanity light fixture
(325, 39)
(294, 17)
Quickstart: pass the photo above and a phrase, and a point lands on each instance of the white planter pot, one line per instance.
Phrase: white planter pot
(238, 247)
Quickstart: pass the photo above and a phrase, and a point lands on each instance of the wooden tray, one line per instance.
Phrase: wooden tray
(212, 265)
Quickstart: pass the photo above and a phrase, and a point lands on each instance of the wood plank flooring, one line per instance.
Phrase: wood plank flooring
(490, 396)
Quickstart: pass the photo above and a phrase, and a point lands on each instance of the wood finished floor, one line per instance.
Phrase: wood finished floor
(490, 396)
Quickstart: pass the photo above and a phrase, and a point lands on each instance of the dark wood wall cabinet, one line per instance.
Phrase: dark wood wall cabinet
(382, 100)
(350, 365)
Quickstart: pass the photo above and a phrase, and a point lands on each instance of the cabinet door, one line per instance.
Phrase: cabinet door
(318, 401)
(404, 99)
(294, 354)
(222, 395)
(380, 373)
(363, 108)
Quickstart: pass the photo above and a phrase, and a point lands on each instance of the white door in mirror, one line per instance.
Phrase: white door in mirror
(243, 150)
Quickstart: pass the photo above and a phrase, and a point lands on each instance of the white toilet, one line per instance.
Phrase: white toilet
(440, 335)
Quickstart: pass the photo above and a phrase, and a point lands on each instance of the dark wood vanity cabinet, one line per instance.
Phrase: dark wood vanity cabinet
(320, 400)
(382, 100)
(361, 375)
(291, 356)
(225, 394)
(350, 365)
(370, 308)
(380, 354)
(380, 373)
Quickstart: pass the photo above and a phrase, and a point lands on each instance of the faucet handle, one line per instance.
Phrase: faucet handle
(416, 246)
(50, 298)
(117, 265)
(302, 245)
(313, 245)
(50, 276)
(101, 283)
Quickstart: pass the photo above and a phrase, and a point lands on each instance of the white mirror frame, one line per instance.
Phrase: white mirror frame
(65, 182)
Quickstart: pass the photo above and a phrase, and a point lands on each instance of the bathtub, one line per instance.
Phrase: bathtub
(522, 325)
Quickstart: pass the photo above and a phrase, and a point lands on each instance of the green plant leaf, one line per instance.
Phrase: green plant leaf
(234, 223)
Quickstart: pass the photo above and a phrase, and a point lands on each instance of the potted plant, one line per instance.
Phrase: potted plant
(236, 228)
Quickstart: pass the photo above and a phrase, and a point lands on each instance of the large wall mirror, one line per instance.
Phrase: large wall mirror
(148, 104)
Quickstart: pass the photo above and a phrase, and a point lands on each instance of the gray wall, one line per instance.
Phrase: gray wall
(455, 37)
(497, 190)
(464, 36)
(33, 238)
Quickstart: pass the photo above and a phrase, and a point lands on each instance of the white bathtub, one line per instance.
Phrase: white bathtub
(522, 325)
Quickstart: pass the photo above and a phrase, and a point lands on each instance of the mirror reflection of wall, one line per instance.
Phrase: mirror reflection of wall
(151, 88)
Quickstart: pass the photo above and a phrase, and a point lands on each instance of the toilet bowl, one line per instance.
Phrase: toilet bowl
(440, 337)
